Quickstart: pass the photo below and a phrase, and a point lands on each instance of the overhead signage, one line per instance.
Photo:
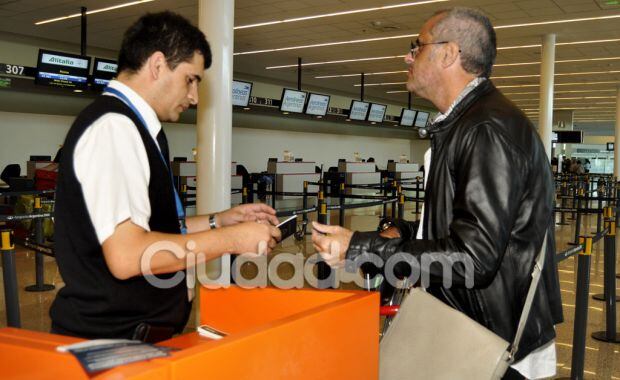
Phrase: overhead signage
(293, 101)
(407, 117)
(358, 110)
(421, 118)
(17, 70)
(62, 69)
(317, 104)
(104, 71)
(241, 93)
(377, 112)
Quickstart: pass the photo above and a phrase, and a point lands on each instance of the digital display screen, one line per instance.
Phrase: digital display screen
(62, 69)
(241, 93)
(293, 101)
(104, 71)
(407, 117)
(610, 146)
(421, 119)
(377, 112)
(317, 104)
(358, 110)
(570, 137)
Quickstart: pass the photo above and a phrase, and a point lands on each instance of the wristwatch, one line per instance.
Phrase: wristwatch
(384, 224)
(212, 224)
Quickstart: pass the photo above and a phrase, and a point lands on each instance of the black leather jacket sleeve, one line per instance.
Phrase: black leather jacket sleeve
(488, 177)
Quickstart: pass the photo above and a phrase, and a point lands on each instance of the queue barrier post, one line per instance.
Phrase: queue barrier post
(417, 195)
(394, 188)
(305, 204)
(581, 308)
(341, 203)
(610, 334)
(11, 295)
(609, 218)
(401, 203)
(274, 187)
(577, 222)
(599, 216)
(39, 260)
(323, 269)
(385, 193)
(244, 195)
(564, 193)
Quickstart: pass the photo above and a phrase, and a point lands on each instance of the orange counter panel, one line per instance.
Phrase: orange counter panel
(273, 334)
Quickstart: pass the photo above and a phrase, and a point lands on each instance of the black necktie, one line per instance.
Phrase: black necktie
(163, 146)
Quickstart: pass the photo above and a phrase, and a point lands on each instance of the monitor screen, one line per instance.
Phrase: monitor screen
(570, 137)
(377, 112)
(420, 119)
(407, 117)
(104, 71)
(293, 100)
(62, 69)
(610, 146)
(241, 92)
(317, 104)
(358, 110)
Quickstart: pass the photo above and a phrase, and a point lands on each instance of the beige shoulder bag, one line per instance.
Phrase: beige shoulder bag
(430, 340)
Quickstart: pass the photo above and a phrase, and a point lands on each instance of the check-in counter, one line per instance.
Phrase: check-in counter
(359, 173)
(272, 334)
(403, 171)
(185, 174)
(290, 176)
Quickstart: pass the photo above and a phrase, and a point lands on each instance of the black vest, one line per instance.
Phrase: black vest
(93, 303)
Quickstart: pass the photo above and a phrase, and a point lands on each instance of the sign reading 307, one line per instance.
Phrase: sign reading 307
(19, 70)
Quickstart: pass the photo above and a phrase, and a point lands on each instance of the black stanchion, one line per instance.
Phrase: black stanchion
(305, 204)
(40, 285)
(577, 222)
(608, 271)
(244, 195)
(11, 296)
(341, 203)
(401, 203)
(323, 269)
(385, 190)
(274, 178)
(394, 188)
(610, 334)
(563, 193)
(599, 217)
(417, 195)
(581, 309)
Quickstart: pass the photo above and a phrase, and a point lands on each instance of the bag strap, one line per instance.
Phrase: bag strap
(536, 273)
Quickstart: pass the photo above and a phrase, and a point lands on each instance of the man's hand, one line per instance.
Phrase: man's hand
(252, 212)
(252, 237)
(390, 233)
(331, 242)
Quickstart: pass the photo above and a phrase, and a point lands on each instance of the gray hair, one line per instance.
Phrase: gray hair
(473, 32)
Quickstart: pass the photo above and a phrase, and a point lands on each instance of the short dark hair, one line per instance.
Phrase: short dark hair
(167, 32)
(473, 32)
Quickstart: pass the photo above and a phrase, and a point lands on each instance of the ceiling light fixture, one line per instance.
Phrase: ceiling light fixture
(403, 56)
(402, 5)
(558, 21)
(93, 11)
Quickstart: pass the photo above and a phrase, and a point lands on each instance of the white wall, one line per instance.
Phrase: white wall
(22, 135)
(252, 147)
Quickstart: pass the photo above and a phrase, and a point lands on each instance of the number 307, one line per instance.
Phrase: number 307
(15, 70)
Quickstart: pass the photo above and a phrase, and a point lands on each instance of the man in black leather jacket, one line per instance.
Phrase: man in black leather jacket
(489, 192)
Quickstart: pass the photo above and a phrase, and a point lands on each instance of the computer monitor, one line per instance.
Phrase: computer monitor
(407, 116)
(377, 112)
(293, 101)
(358, 110)
(421, 118)
(317, 104)
(60, 69)
(104, 70)
(241, 92)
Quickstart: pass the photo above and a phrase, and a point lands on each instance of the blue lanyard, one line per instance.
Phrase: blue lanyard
(179, 204)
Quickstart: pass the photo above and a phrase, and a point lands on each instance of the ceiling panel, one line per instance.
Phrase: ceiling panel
(106, 29)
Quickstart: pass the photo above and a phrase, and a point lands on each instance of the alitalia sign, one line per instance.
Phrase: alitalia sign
(105, 66)
(59, 60)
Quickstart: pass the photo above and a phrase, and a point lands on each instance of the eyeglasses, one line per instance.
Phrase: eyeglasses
(417, 46)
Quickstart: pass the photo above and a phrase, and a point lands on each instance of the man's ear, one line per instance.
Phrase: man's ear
(450, 54)
(156, 63)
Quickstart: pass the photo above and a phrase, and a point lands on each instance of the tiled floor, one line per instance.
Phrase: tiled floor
(602, 359)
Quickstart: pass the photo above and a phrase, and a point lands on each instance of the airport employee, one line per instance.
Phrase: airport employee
(115, 197)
